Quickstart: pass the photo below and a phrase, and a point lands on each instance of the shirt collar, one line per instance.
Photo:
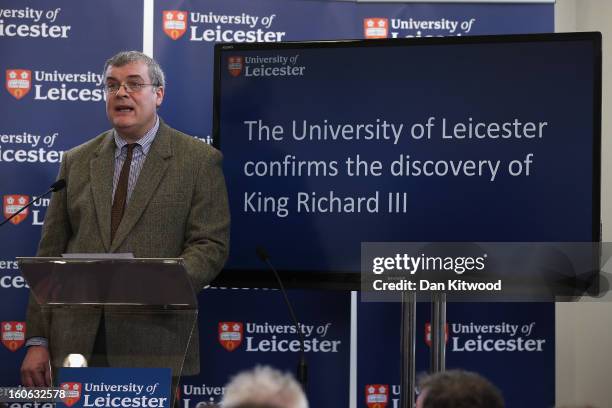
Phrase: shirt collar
(144, 142)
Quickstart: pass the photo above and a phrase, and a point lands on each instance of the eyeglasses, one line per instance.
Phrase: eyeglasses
(130, 87)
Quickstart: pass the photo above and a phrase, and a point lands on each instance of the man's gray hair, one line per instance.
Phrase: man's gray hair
(127, 57)
(264, 386)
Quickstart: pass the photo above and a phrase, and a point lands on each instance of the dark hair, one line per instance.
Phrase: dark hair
(459, 389)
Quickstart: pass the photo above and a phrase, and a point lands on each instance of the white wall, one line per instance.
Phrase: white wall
(584, 330)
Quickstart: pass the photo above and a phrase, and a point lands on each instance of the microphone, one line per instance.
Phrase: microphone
(57, 186)
(302, 369)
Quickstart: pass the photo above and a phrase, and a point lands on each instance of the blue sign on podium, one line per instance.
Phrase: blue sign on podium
(116, 387)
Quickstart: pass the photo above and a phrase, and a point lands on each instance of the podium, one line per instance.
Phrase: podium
(126, 313)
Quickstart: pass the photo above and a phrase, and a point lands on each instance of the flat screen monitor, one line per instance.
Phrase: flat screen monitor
(330, 144)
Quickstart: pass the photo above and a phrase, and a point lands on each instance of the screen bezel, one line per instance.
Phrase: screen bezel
(307, 279)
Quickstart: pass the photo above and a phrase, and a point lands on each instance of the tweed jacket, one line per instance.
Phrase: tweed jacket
(178, 208)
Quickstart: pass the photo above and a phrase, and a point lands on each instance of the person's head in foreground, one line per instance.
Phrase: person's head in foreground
(458, 389)
(263, 387)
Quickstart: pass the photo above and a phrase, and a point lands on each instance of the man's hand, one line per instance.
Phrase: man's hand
(36, 368)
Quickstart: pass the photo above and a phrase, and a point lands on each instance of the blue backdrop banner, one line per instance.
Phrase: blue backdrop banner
(53, 54)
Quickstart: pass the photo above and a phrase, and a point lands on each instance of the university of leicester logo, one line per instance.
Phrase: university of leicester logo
(174, 23)
(230, 335)
(234, 65)
(428, 334)
(13, 335)
(375, 27)
(12, 204)
(377, 395)
(73, 392)
(18, 82)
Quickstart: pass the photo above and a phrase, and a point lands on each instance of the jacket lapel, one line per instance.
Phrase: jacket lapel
(101, 170)
(150, 176)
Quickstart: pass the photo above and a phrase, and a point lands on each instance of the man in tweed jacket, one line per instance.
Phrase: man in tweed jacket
(174, 205)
